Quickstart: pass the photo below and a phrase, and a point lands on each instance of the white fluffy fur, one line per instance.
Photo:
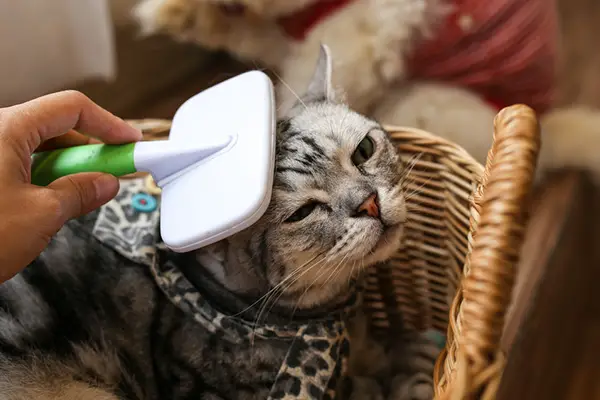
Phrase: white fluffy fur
(250, 37)
(368, 40)
(570, 136)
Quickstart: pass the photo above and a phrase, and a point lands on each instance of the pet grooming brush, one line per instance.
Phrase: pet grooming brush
(215, 170)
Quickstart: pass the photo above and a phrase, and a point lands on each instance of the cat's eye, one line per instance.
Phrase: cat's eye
(302, 212)
(363, 152)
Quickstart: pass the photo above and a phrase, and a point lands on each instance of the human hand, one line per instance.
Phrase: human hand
(30, 215)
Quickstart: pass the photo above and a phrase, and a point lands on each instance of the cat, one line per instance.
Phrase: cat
(107, 312)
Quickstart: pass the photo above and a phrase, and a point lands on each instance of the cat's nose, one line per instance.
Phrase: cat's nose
(369, 207)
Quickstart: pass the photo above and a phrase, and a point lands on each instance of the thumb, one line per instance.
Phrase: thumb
(79, 194)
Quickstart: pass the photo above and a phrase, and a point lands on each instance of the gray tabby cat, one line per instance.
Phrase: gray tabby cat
(107, 313)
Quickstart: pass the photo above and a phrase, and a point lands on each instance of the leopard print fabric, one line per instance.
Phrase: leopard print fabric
(120, 226)
(318, 350)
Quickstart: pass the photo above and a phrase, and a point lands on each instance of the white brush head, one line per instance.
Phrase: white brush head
(229, 190)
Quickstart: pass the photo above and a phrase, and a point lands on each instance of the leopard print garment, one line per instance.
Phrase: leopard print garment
(318, 350)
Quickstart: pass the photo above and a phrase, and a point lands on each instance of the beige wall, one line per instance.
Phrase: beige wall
(143, 67)
(48, 44)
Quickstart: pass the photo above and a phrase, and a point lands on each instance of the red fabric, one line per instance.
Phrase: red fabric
(495, 103)
(508, 56)
(299, 24)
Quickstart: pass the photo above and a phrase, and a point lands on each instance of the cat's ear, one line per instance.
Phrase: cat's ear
(320, 86)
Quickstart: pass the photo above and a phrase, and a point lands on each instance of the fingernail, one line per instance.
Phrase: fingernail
(137, 132)
(106, 187)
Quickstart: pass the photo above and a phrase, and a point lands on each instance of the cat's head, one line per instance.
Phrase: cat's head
(337, 204)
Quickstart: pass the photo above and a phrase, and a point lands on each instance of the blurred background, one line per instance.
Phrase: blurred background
(95, 46)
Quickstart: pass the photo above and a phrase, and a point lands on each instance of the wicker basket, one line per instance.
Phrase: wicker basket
(456, 269)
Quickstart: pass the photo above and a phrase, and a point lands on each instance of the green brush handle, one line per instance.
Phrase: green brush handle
(112, 159)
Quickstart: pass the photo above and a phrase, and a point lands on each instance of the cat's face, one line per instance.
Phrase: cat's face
(337, 203)
(337, 194)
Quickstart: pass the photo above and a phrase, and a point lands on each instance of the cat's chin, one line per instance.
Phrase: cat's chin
(385, 247)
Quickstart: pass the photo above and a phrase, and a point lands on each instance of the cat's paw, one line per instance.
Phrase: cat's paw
(415, 387)
(185, 20)
(169, 16)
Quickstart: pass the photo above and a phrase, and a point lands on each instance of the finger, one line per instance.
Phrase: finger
(79, 194)
(69, 139)
(52, 115)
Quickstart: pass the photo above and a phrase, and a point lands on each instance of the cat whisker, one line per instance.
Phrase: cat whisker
(352, 272)
(294, 276)
(317, 278)
(283, 289)
(260, 68)
(406, 176)
(339, 265)
(289, 88)
(337, 272)
(411, 163)
(306, 291)
(413, 208)
(289, 284)
(284, 285)
(276, 287)
(416, 191)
